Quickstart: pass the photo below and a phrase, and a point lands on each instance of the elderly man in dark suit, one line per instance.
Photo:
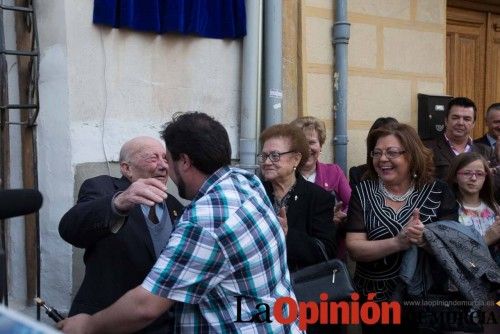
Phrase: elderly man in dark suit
(123, 224)
(493, 123)
(492, 139)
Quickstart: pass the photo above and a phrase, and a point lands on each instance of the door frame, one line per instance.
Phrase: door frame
(487, 8)
(477, 5)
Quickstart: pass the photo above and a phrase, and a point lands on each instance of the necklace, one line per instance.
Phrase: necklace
(394, 197)
(278, 204)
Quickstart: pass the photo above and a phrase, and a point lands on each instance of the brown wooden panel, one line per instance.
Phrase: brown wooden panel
(491, 6)
(466, 49)
(28, 134)
(492, 87)
(468, 59)
(450, 63)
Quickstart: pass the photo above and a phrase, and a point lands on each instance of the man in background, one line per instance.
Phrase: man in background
(123, 224)
(492, 139)
(460, 118)
(493, 122)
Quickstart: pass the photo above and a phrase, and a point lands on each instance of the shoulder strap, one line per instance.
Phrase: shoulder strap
(322, 248)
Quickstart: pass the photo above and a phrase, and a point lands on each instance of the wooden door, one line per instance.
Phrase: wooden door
(492, 87)
(473, 54)
(465, 52)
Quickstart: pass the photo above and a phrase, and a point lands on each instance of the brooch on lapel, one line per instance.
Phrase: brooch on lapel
(296, 197)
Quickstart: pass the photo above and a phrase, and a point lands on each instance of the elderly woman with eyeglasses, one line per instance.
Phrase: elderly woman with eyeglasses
(304, 209)
(389, 209)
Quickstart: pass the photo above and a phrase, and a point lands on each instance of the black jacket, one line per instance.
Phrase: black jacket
(483, 140)
(114, 263)
(310, 217)
(443, 154)
(356, 174)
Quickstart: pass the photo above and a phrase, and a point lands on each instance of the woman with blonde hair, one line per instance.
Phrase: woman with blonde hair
(328, 176)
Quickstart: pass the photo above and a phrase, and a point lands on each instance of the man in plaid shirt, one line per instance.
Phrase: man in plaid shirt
(225, 262)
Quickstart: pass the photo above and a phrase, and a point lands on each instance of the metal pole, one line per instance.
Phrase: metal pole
(251, 86)
(4, 160)
(341, 32)
(273, 91)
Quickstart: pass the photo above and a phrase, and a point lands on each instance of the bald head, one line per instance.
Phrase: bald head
(135, 145)
(142, 158)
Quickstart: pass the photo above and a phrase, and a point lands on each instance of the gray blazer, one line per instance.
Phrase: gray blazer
(461, 251)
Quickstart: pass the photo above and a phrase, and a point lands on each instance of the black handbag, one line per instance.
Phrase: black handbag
(329, 277)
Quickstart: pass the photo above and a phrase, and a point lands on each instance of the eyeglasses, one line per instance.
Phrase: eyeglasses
(274, 156)
(469, 174)
(390, 153)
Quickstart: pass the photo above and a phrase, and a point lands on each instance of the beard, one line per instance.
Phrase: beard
(181, 185)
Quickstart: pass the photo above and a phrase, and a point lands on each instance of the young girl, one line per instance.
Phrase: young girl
(471, 180)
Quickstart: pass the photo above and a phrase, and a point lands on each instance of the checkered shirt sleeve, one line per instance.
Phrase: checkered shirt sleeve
(228, 243)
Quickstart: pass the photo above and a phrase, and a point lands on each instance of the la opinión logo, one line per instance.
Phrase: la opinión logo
(287, 310)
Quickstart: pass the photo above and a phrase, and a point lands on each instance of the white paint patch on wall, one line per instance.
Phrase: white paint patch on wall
(88, 137)
(124, 83)
(55, 174)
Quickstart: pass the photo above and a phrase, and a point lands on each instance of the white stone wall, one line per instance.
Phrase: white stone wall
(101, 86)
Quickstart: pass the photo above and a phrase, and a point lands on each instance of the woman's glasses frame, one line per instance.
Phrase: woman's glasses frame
(390, 153)
(274, 156)
(479, 174)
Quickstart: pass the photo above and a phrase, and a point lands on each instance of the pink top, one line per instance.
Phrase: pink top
(331, 178)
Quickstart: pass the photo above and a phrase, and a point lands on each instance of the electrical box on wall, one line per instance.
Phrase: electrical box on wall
(431, 110)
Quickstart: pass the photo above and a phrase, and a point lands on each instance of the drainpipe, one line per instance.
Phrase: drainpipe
(340, 34)
(273, 91)
(251, 86)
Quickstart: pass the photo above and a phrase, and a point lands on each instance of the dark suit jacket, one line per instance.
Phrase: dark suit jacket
(356, 174)
(483, 140)
(310, 217)
(443, 154)
(114, 263)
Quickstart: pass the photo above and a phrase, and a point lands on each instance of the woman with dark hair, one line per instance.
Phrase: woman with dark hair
(389, 209)
(357, 173)
(471, 179)
(304, 209)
